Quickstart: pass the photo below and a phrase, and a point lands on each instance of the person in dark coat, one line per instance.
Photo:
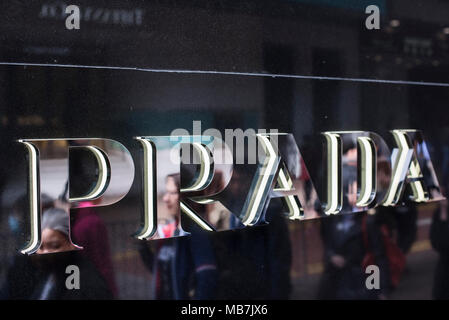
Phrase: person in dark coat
(43, 276)
(181, 264)
(344, 250)
(439, 237)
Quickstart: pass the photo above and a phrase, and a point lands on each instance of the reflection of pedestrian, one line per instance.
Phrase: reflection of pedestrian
(47, 269)
(406, 218)
(88, 228)
(439, 236)
(343, 276)
(260, 255)
(376, 231)
(255, 262)
(177, 263)
(170, 226)
(377, 226)
(21, 274)
(89, 231)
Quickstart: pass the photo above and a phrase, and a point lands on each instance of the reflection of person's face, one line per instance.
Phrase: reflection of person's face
(384, 179)
(54, 241)
(171, 197)
(352, 193)
(351, 157)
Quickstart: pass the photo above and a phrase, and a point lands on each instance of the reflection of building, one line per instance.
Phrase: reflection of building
(302, 37)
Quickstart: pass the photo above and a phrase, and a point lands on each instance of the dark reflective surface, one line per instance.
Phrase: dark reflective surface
(318, 258)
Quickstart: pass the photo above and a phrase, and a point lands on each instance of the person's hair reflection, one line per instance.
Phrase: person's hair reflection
(55, 232)
(171, 196)
(43, 275)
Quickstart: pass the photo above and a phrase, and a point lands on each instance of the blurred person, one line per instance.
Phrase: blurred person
(255, 262)
(439, 237)
(90, 232)
(88, 229)
(182, 264)
(20, 272)
(57, 253)
(169, 226)
(406, 217)
(47, 269)
(377, 227)
(307, 195)
(55, 232)
(354, 241)
(344, 251)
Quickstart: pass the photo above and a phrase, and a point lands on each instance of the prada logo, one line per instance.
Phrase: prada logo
(194, 181)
